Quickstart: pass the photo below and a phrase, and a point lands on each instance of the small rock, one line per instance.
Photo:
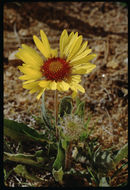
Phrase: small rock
(126, 61)
(12, 55)
(112, 64)
(24, 32)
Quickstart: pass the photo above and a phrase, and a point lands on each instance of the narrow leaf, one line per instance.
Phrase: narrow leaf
(22, 171)
(60, 159)
(58, 175)
(122, 153)
(21, 132)
(25, 159)
(80, 110)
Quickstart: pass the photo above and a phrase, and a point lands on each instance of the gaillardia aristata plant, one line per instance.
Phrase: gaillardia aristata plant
(56, 70)
(68, 142)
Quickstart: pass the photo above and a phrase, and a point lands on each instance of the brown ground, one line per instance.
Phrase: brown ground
(105, 27)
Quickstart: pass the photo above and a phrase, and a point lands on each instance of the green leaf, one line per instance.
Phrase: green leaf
(86, 133)
(86, 124)
(22, 171)
(124, 4)
(29, 159)
(83, 136)
(7, 174)
(103, 161)
(80, 110)
(122, 153)
(60, 158)
(64, 143)
(21, 132)
(91, 130)
(39, 153)
(58, 175)
(7, 148)
(92, 174)
(65, 106)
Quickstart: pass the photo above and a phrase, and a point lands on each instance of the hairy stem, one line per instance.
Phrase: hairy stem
(56, 111)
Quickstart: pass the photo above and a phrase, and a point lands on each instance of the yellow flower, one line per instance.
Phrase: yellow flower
(55, 71)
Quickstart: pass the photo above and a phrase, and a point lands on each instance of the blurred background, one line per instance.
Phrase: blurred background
(105, 26)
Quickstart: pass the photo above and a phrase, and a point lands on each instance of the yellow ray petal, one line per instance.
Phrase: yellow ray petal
(28, 60)
(76, 78)
(33, 74)
(53, 52)
(66, 42)
(74, 94)
(70, 36)
(36, 57)
(84, 69)
(84, 60)
(30, 85)
(33, 90)
(81, 56)
(44, 83)
(28, 81)
(30, 57)
(53, 85)
(40, 93)
(74, 49)
(64, 86)
(59, 87)
(63, 41)
(75, 87)
(70, 44)
(83, 47)
(28, 77)
(80, 88)
(41, 47)
(24, 77)
(45, 40)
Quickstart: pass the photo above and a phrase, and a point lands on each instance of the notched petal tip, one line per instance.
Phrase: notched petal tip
(41, 31)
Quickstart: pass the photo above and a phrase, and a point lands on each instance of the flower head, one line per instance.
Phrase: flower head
(56, 71)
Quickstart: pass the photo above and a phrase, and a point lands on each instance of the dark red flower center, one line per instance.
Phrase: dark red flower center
(56, 69)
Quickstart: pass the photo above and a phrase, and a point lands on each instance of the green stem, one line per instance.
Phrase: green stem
(56, 111)
(43, 104)
(44, 115)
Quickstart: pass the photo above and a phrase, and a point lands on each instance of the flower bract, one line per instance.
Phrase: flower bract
(71, 127)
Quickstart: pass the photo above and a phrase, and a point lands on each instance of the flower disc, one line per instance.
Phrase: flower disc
(56, 69)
